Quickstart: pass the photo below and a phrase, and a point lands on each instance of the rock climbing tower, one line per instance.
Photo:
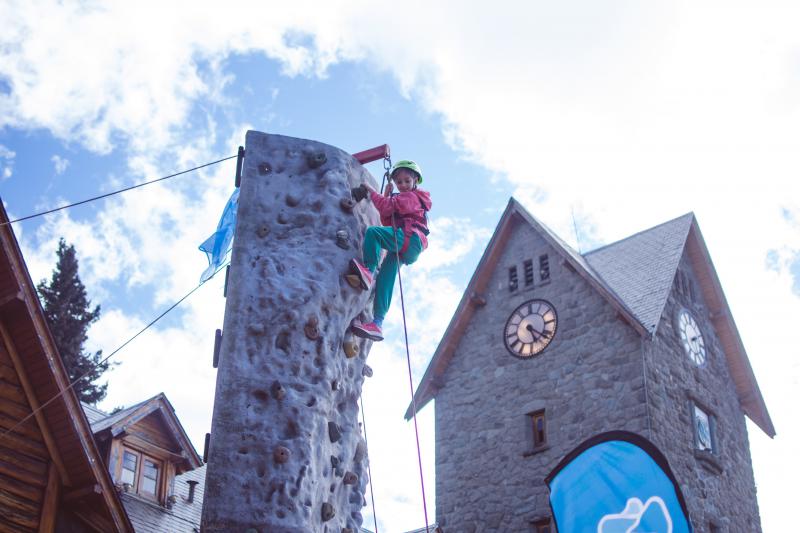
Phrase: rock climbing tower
(285, 452)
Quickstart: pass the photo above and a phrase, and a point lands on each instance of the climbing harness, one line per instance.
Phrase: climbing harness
(409, 222)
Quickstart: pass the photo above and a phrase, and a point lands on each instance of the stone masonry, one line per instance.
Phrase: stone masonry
(286, 453)
(597, 375)
(588, 380)
(718, 488)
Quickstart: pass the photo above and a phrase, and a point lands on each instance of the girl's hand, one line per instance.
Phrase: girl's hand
(387, 192)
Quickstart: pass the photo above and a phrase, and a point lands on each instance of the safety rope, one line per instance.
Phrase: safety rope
(116, 192)
(369, 470)
(387, 165)
(73, 383)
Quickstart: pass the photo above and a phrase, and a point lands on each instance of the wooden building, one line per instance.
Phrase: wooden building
(67, 467)
(52, 475)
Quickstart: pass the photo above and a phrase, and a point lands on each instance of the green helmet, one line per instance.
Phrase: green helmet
(410, 165)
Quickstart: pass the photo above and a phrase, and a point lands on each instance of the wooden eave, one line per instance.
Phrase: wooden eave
(77, 461)
(750, 398)
(513, 214)
(159, 404)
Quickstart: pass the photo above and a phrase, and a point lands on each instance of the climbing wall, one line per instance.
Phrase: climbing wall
(286, 452)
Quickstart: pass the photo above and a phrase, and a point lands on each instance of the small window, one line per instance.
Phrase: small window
(129, 463)
(512, 279)
(140, 472)
(539, 427)
(544, 268)
(542, 525)
(704, 431)
(528, 267)
(149, 477)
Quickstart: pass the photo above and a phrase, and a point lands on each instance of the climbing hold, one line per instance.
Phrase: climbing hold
(334, 461)
(361, 451)
(316, 159)
(256, 328)
(311, 328)
(350, 348)
(327, 512)
(350, 478)
(334, 431)
(342, 239)
(347, 205)
(262, 231)
(283, 218)
(278, 392)
(353, 280)
(282, 340)
(292, 200)
(347, 530)
(335, 385)
(366, 371)
(281, 454)
(359, 193)
(264, 168)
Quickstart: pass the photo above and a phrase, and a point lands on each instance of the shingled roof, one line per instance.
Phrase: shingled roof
(640, 268)
(635, 276)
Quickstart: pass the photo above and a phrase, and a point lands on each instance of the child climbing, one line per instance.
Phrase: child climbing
(404, 216)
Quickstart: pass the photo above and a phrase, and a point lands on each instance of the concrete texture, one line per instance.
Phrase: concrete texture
(286, 452)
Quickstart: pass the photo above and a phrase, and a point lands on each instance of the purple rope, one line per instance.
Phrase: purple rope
(410, 379)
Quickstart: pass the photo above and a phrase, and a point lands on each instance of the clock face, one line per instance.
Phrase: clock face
(530, 328)
(691, 338)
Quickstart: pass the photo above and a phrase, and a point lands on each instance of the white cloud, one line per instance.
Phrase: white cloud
(630, 113)
(60, 164)
(6, 162)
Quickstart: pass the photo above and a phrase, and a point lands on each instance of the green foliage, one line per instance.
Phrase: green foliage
(69, 315)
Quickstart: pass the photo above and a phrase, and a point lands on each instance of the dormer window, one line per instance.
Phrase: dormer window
(139, 473)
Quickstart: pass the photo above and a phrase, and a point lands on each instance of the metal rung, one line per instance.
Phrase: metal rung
(217, 344)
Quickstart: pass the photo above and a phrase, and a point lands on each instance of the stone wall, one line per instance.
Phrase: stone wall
(589, 380)
(286, 453)
(718, 488)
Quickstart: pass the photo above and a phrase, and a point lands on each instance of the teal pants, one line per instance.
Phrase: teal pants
(382, 237)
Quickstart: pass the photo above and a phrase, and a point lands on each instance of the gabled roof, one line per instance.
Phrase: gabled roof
(635, 276)
(86, 489)
(641, 268)
(117, 424)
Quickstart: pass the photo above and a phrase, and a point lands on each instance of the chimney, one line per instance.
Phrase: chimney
(192, 484)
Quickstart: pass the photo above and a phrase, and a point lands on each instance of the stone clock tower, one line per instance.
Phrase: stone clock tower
(549, 347)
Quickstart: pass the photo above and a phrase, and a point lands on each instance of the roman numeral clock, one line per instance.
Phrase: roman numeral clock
(530, 328)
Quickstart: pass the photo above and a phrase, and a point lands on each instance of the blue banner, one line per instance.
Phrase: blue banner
(220, 243)
(616, 483)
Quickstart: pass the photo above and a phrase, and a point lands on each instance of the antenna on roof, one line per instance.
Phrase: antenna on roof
(575, 226)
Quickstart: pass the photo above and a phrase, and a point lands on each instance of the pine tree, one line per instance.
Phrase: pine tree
(69, 315)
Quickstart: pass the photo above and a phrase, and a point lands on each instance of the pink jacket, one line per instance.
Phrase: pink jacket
(409, 208)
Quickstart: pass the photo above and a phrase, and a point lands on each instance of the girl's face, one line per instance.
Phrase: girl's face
(405, 180)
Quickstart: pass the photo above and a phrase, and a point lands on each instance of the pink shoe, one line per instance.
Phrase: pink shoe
(371, 330)
(363, 273)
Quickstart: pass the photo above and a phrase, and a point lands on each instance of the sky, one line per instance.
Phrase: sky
(601, 118)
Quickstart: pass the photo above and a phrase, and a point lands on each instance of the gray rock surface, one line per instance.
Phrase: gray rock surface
(286, 453)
